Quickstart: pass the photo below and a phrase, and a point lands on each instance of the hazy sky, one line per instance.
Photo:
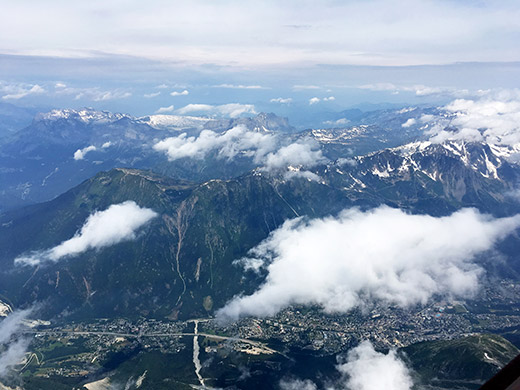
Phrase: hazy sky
(256, 33)
(160, 56)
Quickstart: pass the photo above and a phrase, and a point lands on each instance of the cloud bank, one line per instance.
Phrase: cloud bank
(239, 86)
(361, 258)
(232, 110)
(281, 100)
(182, 93)
(295, 155)
(116, 224)
(364, 369)
(238, 140)
(80, 153)
(338, 122)
(14, 347)
(265, 149)
(418, 89)
(367, 369)
(260, 33)
(493, 119)
(163, 110)
(151, 95)
(96, 94)
(410, 122)
(315, 100)
(298, 384)
(19, 91)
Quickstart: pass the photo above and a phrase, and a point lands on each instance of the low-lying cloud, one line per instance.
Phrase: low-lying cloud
(338, 122)
(239, 86)
(297, 154)
(367, 369)
(410, 122)
(19, 91)
(238, 140)
(116, 224)
(151, 95)
(298, 384)
(164, 110)
(315, 100)
(181, 93)
(232, 110)
(13, 346)
(493, 119)
(417, 89)
(360, 258)
(81, 153)
(92, 93)
(265, 149)
(364, 369)
(281, 100)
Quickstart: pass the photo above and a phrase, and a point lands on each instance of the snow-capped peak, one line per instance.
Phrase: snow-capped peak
(425, 157)
(86, 115)
(174, 122)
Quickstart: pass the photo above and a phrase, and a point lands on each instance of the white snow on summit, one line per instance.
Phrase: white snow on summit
(86, 115)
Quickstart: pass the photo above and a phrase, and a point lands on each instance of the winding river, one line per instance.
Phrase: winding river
(196, 350)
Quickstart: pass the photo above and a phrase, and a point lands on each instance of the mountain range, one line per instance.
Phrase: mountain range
(206, 210)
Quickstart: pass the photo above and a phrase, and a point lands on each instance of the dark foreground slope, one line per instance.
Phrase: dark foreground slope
(460, 363)
(181, 264)
(181, 260)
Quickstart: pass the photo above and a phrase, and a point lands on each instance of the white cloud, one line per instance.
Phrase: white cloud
(417, 89)
(305, 87)
(238, 140)
(163, 110)
(367, 369)
(315, 100)
(116, 224)
(303, 153)
(104, 95)
(379, 87)
(351, 32)
(94, 93)
(106, 145)
(182, 93)
(231, 110)
(425, 118)
(12, 323)
(364, 369)
(298, 172)
(493, 119)
(16, 346)
(406, 109)
(281, 100)
(265, 149)
(151, 95)
(16, 92)
(361, 258)
(297, 384)
(194, 107)
(239, 86)
(410, 122)
(346, 161)
(339, 122)
(60, 85)
(80, 153)
(13, 355)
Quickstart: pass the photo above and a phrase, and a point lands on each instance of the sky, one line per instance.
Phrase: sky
(298, 58)
(279, 56)
(253, 33)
